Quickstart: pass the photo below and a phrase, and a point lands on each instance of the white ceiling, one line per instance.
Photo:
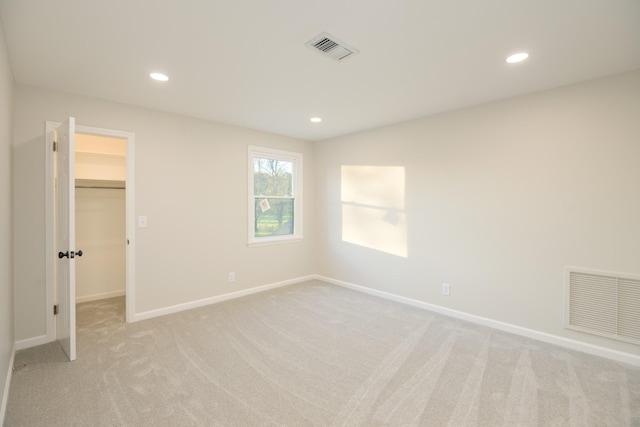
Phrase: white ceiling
(245, 63)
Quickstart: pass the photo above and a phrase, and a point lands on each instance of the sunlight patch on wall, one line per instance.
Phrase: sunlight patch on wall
(373, 213)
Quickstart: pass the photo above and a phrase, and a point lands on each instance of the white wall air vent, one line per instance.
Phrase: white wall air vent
(331, 47)
(603, 303)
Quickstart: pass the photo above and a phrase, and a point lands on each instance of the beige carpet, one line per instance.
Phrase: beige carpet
(313, 354)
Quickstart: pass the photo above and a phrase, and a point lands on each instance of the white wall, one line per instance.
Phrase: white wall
(101, 235)
(494, 200)
(191, 182)
(100, 157)
(100, 166)
(6, 203)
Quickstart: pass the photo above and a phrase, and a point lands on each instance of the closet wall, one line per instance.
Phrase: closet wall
(100, 217)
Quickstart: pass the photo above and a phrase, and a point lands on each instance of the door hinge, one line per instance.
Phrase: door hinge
(55, 309)
(55, 146)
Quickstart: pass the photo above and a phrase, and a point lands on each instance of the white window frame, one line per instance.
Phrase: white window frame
(296, 160)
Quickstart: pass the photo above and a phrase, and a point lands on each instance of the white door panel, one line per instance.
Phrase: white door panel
(65, 237)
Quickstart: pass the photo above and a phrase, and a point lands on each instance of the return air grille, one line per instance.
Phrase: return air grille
(605, 304)
(330, 46)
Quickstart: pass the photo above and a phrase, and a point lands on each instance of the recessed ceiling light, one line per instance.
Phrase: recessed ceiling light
(315, 119)
(159, 77)
(517, 57)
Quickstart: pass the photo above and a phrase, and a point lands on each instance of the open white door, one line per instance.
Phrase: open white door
(65, 239)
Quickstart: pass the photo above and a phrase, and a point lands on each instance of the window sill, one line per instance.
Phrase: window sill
(274, 241)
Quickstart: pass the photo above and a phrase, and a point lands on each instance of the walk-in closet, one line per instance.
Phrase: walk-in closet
(100, 169)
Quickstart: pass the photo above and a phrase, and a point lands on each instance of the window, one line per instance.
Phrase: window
(275, 196)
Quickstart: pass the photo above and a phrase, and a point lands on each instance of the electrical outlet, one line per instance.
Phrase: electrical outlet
(142, 221)
(445, 289)
(232, 277)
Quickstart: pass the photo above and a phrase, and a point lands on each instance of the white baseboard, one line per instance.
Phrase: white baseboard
(32, 342)
(213, 300)
(104, 295)
(7, 384)
(507, 327)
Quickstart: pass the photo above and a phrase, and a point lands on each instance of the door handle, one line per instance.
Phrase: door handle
(66, 254)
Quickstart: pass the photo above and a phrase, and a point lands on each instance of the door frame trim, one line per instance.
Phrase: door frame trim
(50, 126)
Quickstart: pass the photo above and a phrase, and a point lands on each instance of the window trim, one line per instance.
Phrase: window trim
(289, 156)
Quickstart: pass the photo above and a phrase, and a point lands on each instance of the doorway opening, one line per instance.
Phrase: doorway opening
(100, 182)
(103, 219)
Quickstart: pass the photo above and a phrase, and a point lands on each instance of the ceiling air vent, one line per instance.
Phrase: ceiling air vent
(331, 47)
